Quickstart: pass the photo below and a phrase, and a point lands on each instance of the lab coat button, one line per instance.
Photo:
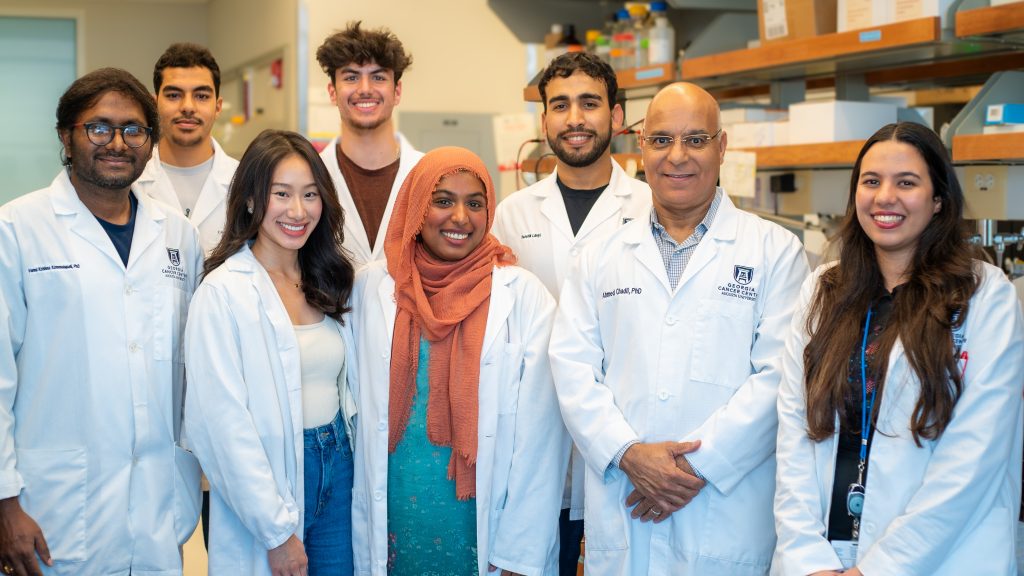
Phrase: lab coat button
(574, 251)
(382, 426)
(378, 495)
(133, 347)
(663, 395)
(129, 290)
(670, 320)
(869, 527)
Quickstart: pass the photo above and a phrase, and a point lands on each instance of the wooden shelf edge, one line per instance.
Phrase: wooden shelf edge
(531, 94)
(988, 147)
(547, 164)
(990, 20)
(808, 155)
(824, 47)
(654, 75)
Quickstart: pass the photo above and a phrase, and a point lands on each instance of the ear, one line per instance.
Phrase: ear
(398, 92)
(618, 117)
(220, 106)
(938, 205)
(332, 93)
(724, 142)
(249, 206)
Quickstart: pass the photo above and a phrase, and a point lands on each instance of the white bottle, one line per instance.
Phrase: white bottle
(661, 42)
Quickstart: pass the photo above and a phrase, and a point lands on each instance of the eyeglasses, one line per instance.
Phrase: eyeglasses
(691, 141)
(101, 133)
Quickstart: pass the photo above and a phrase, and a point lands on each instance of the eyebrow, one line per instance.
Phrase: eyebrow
(450, 193)
(350, 70)
(687, 133)
(897, 175)
(202, 88)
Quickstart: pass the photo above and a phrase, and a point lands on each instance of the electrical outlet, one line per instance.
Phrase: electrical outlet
(987, 192)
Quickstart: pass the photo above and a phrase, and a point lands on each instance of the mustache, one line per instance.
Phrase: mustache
(580, 130)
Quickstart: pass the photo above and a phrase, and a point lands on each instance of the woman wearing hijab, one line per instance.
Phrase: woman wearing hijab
(461, 450)
(900, 421)
(268, 410)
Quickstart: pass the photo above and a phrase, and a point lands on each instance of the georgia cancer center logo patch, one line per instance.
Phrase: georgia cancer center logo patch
(174, 256)
(742, 274)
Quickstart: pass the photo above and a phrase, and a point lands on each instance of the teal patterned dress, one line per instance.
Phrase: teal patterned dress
(430, 532)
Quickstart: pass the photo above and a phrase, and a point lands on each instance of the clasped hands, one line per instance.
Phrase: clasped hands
(662, 478)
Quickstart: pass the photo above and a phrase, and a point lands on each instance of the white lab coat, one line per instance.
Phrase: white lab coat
(91, 382)
(948, 507)
(534, 223)
(210, 211)
(356, 241)
(523, 448)
(635, 360)
(243, 413)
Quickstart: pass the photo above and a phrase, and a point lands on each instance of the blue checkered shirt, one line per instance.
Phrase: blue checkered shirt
(676, 255)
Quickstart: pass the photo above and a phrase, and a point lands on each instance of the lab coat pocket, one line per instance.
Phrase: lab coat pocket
(55, 496)
(170, 305)
(187, 493)
(722, 333)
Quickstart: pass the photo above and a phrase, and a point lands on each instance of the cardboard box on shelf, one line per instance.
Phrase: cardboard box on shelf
(736, 115)
(790, 19)
(757, 134)
(837, 120)
(860, 14)
(912, 9)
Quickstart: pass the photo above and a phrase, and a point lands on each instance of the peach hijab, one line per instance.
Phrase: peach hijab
(446, 302)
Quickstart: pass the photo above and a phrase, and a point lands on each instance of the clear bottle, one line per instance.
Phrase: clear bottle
(638, 23)
(661, 42)
(603, 48)
(569, 42)
(622, 41)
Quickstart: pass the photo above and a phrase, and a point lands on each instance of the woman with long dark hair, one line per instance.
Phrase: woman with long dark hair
(900, 418)
(269, 411)
(461, 449)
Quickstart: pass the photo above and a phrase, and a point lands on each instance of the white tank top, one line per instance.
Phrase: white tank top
(322, 357)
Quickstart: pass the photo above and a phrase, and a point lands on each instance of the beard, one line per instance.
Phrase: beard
(86, 168)
(580, 158)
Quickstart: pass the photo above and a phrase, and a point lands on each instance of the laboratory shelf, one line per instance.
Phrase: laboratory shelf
(807, 155)
(990, 20)
(629, 78)
(988, 147)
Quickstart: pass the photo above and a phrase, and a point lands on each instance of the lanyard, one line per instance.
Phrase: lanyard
(855, 493)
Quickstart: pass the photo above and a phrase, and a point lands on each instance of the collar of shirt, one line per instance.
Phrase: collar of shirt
(667, 242)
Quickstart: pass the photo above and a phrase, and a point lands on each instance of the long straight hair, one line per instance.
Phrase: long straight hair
(932, 303)
(327, 272)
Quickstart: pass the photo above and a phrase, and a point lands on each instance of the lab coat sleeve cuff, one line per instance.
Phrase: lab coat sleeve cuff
(514, 567)
(11, 484)
(709, 465)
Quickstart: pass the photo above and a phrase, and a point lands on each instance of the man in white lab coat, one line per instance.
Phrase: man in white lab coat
(189, 171)
(95, 280)
(369, 161)
(665, 354)
(587, 197)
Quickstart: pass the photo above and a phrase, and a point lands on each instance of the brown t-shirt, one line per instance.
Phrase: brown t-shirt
(370, 190)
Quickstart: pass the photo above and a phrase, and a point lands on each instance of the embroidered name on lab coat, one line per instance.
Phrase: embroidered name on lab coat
(54, 267)
(531, 235)
(622, 291)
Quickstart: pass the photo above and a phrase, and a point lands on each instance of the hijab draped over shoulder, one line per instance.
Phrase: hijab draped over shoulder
(446, 303)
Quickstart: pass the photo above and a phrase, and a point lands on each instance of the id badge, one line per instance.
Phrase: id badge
(847, 552)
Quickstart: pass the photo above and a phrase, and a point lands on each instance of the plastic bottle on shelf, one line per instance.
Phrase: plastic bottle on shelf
(661, 38)
(569, 42)
(638, 23)
(592, 36)
(552, 43)
(603, 48)
(623, 41)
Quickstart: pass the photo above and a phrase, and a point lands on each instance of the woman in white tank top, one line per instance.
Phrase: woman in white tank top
(268, 407)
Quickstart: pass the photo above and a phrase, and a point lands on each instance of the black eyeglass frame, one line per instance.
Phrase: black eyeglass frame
(113, 130)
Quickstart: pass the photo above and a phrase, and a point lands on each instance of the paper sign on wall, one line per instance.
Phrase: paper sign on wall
(739, 173)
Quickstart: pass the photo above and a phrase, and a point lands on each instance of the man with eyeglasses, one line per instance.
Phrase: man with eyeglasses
(665, 356)
(588, 196)
(189, 170)
(95, 281)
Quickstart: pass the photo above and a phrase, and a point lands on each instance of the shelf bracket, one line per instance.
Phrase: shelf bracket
(786, 92)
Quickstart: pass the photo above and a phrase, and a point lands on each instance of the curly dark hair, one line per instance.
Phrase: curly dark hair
(353, 45)
(327, 272)
(566, 64)
(186, 55)
(87, 90)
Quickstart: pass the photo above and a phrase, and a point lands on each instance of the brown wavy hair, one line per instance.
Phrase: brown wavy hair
(327, 272)
(353, 45)
(933, 302)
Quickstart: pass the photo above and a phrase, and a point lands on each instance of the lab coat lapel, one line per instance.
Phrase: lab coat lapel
(355, 234)
(499, 308)
(408, 157)
(645, 250)
(386, 297)
(609, 203)
(156, 184)
(148, 227)
(553, 208)
(66, 202)
(723, 229)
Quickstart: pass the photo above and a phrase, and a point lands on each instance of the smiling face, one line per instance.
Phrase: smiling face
(456, 219)
(293, 208)
(895, 199)
(682, 179)
(365, 95)
(579, 120)
(188, 106)
(113, 166)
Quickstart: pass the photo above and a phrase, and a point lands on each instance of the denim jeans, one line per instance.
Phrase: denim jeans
(327, 530)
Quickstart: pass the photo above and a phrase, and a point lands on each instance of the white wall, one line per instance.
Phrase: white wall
(464, 58)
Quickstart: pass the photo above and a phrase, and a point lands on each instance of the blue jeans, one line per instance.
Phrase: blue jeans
(327, 477)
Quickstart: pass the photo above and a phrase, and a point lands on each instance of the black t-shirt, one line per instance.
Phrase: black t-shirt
(578, 203)
(121, 234)
(840, 523)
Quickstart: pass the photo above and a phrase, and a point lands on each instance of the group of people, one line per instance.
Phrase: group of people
(390, 373)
